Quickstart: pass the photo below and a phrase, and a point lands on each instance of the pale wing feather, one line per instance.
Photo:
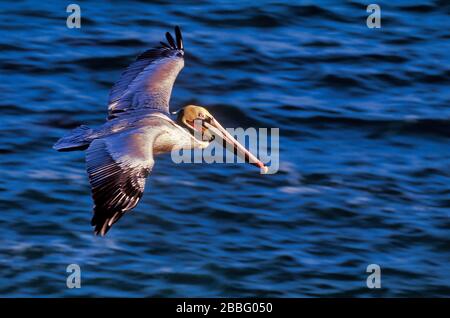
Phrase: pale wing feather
(150, 88)
(125, 80)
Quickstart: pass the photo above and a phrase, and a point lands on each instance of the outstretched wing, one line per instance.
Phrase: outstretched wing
(147, 83)
(118, 166)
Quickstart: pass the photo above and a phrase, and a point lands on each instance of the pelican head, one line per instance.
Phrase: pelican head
(199, 121)
(195, 118)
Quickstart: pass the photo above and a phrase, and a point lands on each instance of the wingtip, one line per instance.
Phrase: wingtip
(101, 230)
(176, 43)
(100, 226)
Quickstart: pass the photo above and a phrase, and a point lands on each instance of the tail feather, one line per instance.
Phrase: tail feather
(77, 139)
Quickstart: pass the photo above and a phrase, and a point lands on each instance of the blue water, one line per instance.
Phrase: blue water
(364, 176)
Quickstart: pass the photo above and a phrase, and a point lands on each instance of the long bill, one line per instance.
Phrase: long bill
(240, 150)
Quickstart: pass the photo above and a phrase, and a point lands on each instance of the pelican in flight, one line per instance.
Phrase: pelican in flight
(119, 154)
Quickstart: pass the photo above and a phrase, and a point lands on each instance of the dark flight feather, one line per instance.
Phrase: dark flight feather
(179, 38)
(170, 40)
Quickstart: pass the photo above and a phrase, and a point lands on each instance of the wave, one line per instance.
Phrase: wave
(432, 127)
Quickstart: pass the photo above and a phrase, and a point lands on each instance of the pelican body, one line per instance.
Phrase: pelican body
(120, 153)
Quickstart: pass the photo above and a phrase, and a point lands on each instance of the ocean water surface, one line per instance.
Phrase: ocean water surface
(364, 173)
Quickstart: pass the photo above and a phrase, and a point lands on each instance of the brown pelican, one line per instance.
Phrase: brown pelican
(119, 154)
